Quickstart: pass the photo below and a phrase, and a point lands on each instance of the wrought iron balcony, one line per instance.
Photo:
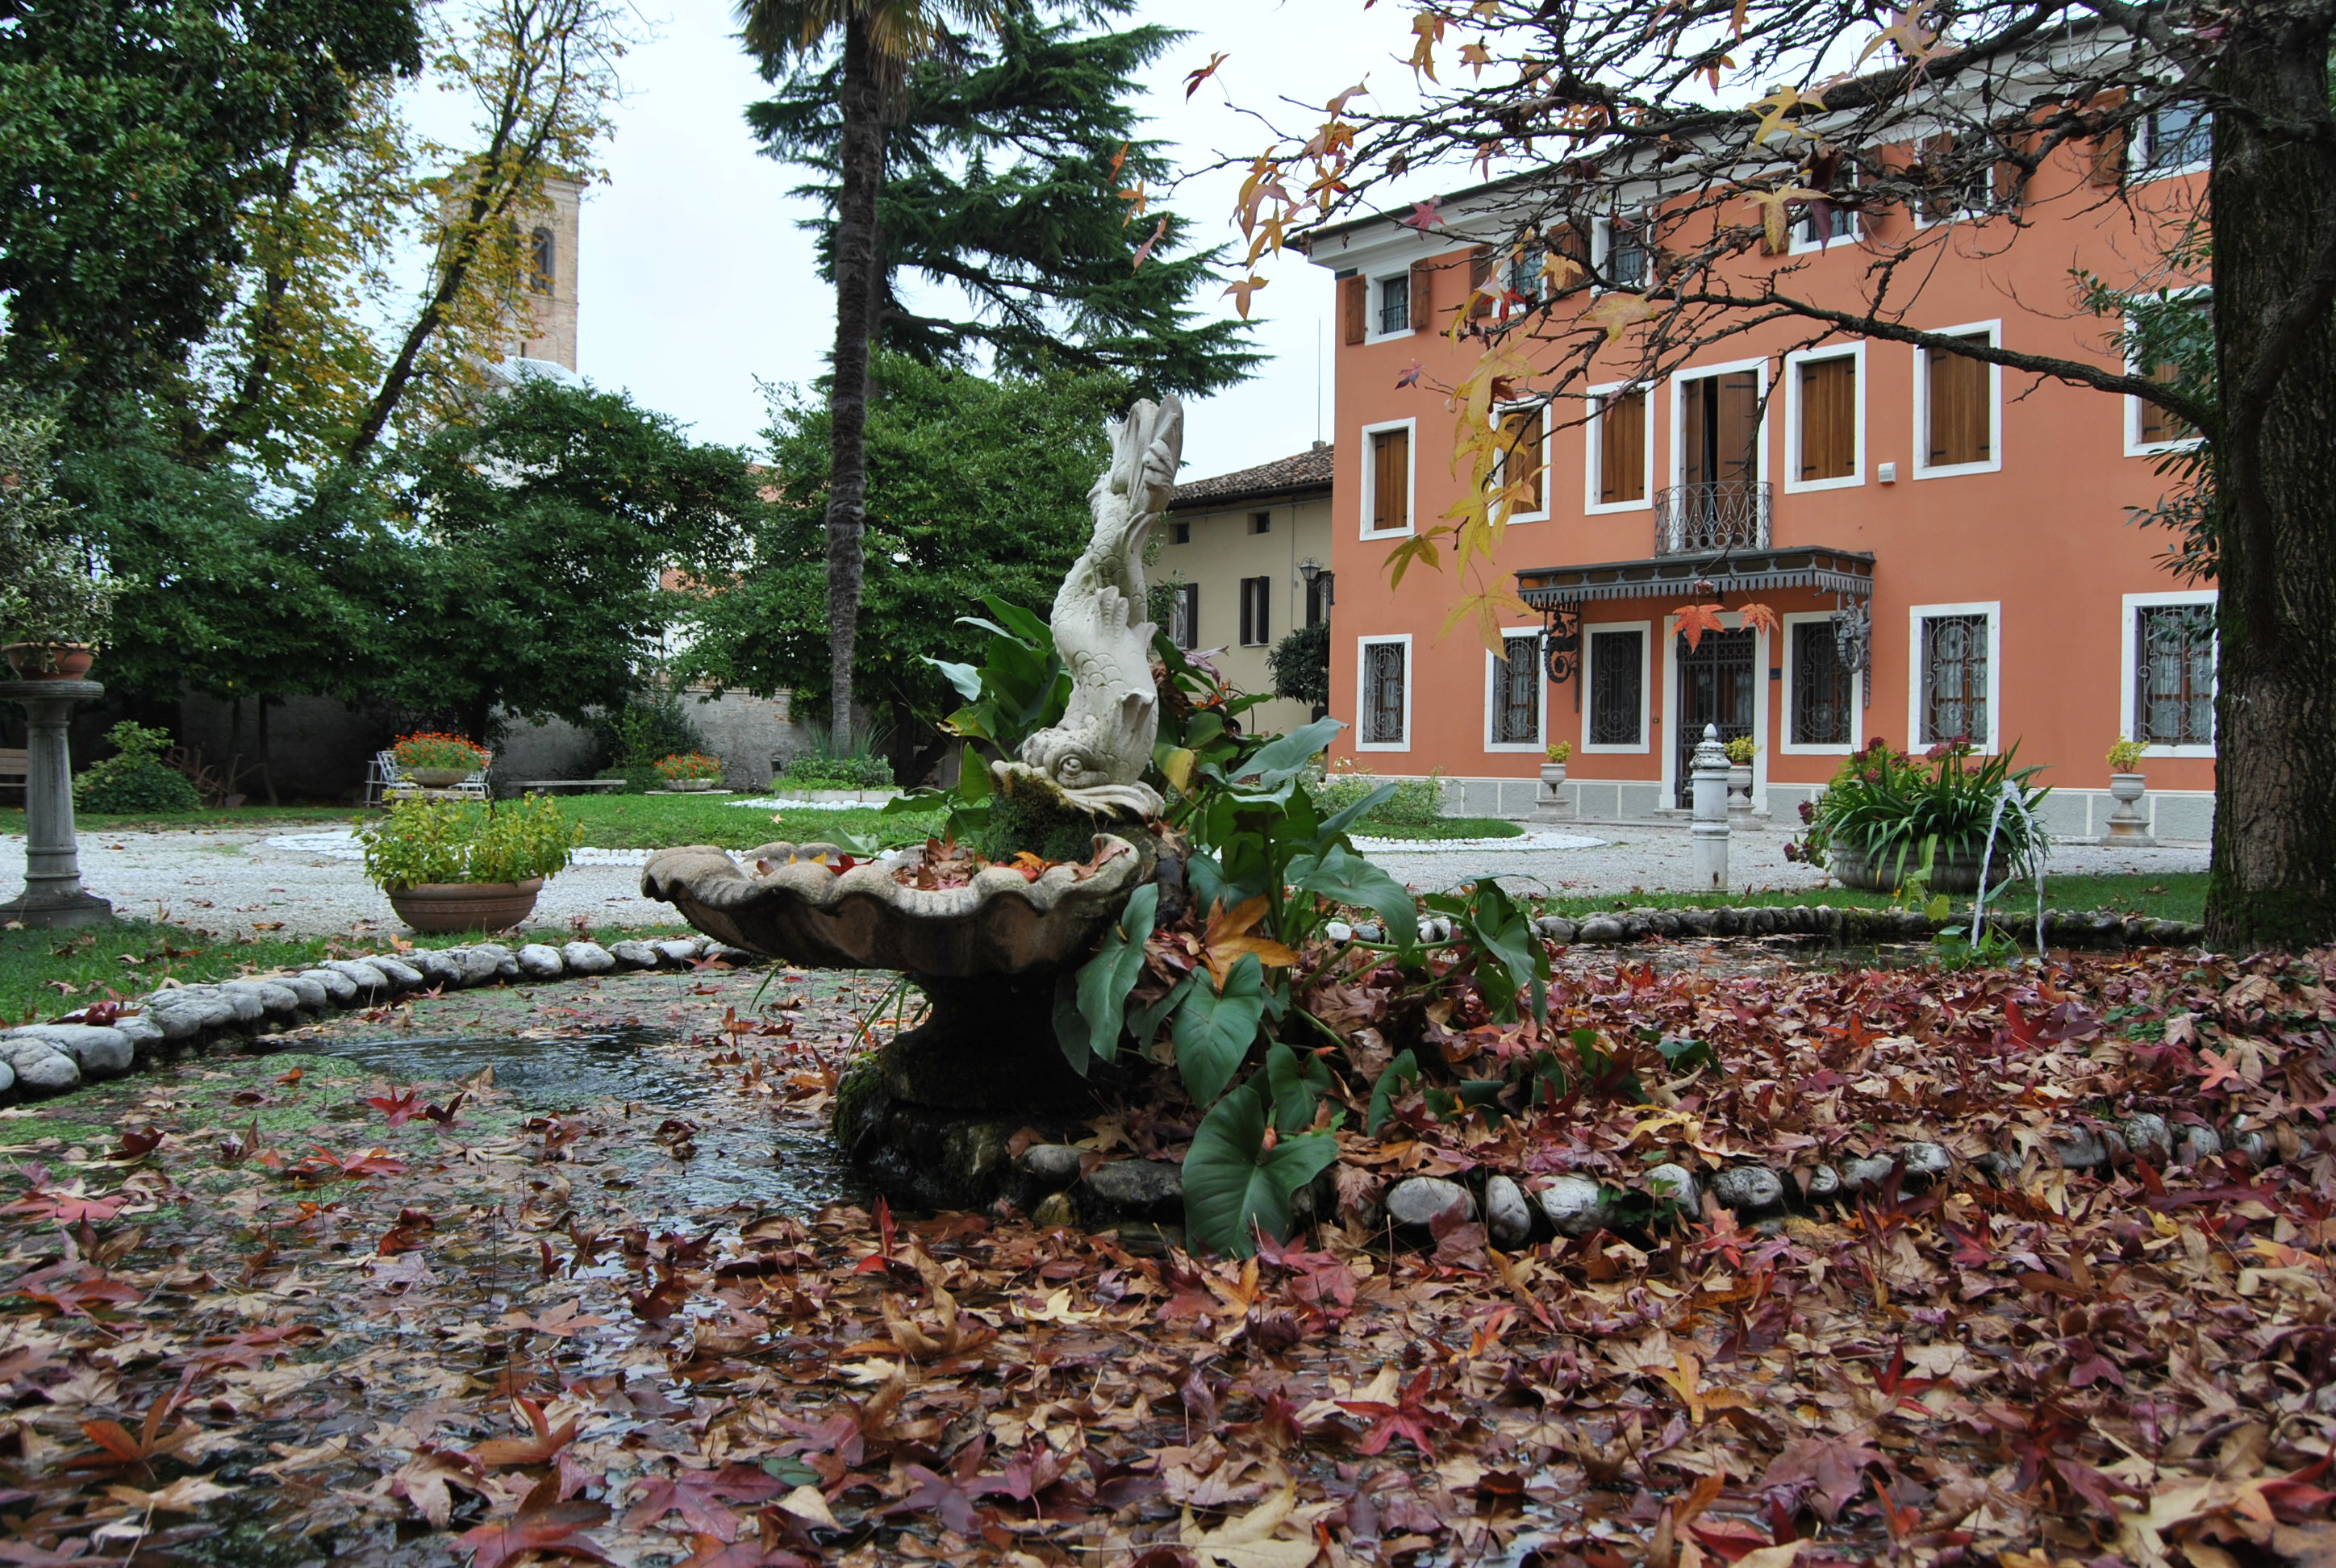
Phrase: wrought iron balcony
(1700, 519)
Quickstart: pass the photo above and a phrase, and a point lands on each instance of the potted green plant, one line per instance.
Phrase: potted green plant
(55, 598)
(467, 866)
(1552, 769)
(436, 760)
(1888, 818)
(2127, 825)
(1739, 773)
(690, 771)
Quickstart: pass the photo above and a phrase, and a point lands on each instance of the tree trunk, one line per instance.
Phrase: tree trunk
(862, 158)
(2273, 192)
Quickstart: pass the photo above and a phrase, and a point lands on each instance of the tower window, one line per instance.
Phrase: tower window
(542, 254)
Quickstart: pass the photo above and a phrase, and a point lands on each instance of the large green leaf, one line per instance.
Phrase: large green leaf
(1404, 1069)
(1235, 1186)
(1105, 980)
(1339, 874)
(1299, 1083)
(1213, 1028)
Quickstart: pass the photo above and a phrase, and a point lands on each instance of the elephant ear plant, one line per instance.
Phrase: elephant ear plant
(427, 841)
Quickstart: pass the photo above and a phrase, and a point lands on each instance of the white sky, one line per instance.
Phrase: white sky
(695, 281)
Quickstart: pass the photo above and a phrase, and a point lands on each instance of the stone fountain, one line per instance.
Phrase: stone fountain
(931, 1119)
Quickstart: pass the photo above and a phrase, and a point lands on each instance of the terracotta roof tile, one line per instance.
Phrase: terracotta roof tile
(1309, 469)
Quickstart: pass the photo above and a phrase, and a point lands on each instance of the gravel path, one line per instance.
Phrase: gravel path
(235, 881)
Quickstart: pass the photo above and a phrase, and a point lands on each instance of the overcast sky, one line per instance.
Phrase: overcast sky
(695, 280)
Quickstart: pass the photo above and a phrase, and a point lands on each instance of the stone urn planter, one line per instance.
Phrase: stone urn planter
(2127, 825)
(49, 660)
(691, 785)
(1553, 774)
(1952, 871)
(1739, 789)
(437, 778)
(435, 906)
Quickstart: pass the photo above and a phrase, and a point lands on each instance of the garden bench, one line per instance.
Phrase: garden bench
(15, 768)
(553, 786)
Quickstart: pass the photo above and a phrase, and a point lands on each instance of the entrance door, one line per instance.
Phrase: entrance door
(1715, 687)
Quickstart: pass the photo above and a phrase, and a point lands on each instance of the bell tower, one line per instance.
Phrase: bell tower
(544, 315)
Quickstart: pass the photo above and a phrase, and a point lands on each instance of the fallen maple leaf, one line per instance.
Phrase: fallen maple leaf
(539, 1450)
(543, 1524)
(1249, 1542)
(1228, 937)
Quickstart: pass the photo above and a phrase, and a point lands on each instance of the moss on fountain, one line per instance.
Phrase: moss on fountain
(1030, 812)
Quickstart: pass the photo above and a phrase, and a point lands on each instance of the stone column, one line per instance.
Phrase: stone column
(1709, 767)
(53, 895)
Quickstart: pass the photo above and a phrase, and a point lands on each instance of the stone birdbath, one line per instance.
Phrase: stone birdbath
(53, 895)
(931, 1120)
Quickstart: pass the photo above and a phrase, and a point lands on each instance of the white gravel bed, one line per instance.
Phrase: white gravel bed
(249, 882)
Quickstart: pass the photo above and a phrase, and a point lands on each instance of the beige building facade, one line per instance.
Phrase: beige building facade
(1246, 557)
(543, 323)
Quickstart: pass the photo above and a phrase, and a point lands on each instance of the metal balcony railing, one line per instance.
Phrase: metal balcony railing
(1698, 519)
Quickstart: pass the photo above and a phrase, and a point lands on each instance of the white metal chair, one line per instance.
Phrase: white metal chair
(384, 777)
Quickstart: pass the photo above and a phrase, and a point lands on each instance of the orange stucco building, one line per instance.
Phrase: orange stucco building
(1947, 543)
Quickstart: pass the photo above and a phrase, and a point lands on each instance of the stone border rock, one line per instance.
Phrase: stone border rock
(2062, 928)
(42, 1059)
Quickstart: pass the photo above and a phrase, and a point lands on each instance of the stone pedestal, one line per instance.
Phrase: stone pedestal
(53, 895)
(1739, 789)
(1551, 803)
(1709, 834)
(2128, 828)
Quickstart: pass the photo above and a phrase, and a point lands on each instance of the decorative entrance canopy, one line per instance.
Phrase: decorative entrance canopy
(1559, 592)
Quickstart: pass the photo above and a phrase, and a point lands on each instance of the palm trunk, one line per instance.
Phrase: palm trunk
(862, 158)
(2273, 197)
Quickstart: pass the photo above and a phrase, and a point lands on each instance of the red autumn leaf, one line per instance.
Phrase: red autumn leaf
(1695, 619)
(1409, 1416)
(400, 1106)
(539, 1450)
(544, 1525)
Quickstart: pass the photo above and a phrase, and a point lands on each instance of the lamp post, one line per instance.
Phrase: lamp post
(53, 894)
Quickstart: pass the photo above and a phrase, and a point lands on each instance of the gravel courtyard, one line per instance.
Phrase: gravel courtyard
(301, 881)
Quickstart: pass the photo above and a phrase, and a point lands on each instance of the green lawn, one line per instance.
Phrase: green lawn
(655, 821)
(2165, 896)
(50, 973)
(12, 819)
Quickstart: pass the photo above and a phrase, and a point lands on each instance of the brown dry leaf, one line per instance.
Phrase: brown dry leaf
(1249, 1542)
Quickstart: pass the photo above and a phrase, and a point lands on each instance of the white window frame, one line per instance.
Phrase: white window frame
(1595, 432)
(1501, 462)
(1764, 650)
(1994, 462)
(1602, 244)
(2129, 649)
(1366, 487)
(2142, 167)
(1492, 688)
(1794, 484)
(1240, 589)
(1786, 744)
(1646, 630)
(1372, 283)
(1363, 692)
(1961, 214)
(1800, 241)
(1915, 616)
(1678, 412)
(2134, 445)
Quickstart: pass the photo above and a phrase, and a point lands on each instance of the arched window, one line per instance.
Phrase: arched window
(540, 257)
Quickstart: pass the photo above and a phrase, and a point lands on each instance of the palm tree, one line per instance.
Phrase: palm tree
(880, 40)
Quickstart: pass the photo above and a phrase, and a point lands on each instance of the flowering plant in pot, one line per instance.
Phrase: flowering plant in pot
(2127, 786)
(1888, 818)
(436, 760)
(55, 598)
(1552, 767)
(461, 866)
(689, 771)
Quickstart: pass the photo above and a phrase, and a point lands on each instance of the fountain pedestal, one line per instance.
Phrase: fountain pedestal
(53, 895)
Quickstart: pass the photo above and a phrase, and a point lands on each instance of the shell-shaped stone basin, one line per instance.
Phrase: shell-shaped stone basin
(807, 914)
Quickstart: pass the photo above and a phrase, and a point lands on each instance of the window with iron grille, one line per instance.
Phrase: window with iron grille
(1516, 691)
(1820, 685)
(1395, 303)
(1256, 594)
(1318, 594)
(2179, 136)
(2174, 675)
(1617, 686)
(1954, 680)
(1383, 693)
(1184, 615)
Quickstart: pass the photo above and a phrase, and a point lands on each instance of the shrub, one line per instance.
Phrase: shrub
(1415, 802)
(1894, 808)
(1559, 751)
(694, 764)
(134, 779)
(435, 749)
(1739, 750)
(1301, 664)
(838, 772)
(2126, 756)
(464, 841)
(629, 740)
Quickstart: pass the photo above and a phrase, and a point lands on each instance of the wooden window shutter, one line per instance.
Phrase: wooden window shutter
(1480, 272)
(1828, 418)
(1938, 194)
(1739, 426)
(1522, 460)
(1959, 409)
(1695, 423)
(1353, 303)
(2106, 166)
(1622, 448)
(1391, 480)
(2159, 425)
(1423, 293)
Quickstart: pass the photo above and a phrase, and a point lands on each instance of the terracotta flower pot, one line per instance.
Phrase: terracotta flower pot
(464, 906)
(436, 778)
(49, 660)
